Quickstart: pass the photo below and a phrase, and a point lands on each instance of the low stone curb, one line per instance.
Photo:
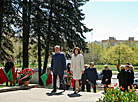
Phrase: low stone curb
(14, 88)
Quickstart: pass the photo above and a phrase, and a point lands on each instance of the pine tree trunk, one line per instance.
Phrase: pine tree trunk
(47, 42)
(39, 60)
(29, 5)
(25, 35)
(1, 23)
(46, 57)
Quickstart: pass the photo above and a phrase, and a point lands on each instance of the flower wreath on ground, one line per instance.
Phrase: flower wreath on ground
(26, 74)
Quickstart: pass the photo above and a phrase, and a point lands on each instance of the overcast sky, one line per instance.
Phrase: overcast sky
(111, 19)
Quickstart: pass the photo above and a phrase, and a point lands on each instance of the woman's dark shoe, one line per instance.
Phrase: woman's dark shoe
(53, 91)
(74, 93)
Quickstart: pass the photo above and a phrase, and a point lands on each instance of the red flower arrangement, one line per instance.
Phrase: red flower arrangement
(117, 66)
(26, 74)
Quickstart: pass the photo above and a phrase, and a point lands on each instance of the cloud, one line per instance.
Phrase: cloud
(116, 0)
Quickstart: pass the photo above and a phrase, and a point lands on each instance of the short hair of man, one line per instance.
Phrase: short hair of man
(57, 46)
(122, 66)
(131, 66)
(91, 63)
(77, 49)
(105, 65)
(127, 63)
(127, 66)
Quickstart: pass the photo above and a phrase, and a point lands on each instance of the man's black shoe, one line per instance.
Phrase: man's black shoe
(53, 91)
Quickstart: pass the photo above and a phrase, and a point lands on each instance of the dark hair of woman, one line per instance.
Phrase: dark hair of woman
(68, 68)
(77, 49)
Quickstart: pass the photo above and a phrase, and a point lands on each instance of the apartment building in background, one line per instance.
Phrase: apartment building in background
(113, 41)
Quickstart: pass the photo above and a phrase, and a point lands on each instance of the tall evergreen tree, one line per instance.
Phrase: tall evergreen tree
(7, 21)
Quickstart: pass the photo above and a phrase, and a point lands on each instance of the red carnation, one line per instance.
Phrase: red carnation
(117, 66)
(20, 72)
(33, 72)
(123, 89)
(27, 69)
(24, 70)
(112, 87)
(116, 99)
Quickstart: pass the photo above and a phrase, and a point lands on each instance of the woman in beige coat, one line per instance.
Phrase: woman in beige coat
(77, 66)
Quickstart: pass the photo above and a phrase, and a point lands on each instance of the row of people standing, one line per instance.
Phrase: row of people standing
(126, 76)
(58, 67)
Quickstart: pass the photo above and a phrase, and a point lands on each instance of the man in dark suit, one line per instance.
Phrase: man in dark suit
(58, 66)
(122, 76)
(83, 80)
(91, 75)
(107, 74)
(8, 66)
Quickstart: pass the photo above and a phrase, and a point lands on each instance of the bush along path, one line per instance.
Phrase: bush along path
(119, 94)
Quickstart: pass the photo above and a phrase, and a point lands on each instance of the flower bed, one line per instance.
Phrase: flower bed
(119, 94)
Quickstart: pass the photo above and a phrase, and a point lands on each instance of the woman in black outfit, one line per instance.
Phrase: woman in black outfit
(132, 74)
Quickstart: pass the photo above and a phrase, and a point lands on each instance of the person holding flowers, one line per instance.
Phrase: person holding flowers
(68, 76)
(91, 76)
(107, 74)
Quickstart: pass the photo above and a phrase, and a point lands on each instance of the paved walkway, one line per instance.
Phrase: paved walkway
(42, 95)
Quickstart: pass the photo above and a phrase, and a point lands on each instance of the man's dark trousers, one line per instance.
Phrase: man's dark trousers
(55, 80)
(83, 87)
(88, 86)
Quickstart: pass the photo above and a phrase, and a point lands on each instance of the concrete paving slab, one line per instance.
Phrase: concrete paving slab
(40, 95)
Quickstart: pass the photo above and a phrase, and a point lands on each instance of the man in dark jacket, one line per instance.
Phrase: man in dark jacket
(8, 66)
(132, 74)
(58, 66)
(122, 76)
(128, 73)
(107, 74)
(83, 79)
(91, 75)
